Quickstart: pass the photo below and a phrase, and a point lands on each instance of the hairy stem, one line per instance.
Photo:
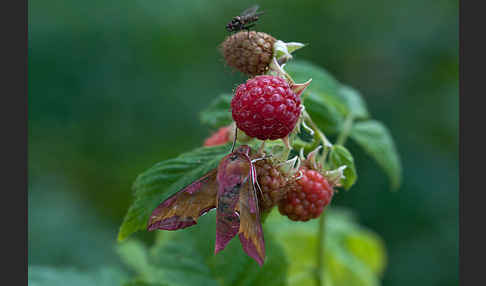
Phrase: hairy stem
(321, 135)
(324, 156)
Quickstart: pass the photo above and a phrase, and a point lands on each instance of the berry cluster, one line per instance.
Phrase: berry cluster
(268, 107)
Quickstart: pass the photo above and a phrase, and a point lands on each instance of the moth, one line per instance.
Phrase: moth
(231, 189)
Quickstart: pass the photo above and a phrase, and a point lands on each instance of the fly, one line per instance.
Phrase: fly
(245, 20)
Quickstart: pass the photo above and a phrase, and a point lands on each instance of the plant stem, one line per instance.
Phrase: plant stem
(262, 147)
(316, 129)
(320, 249)
(324, 156)
(348, 124)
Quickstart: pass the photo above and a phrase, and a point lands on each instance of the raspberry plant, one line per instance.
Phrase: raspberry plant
(287, 110)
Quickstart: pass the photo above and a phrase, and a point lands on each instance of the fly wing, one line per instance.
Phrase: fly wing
(182, 209)
(233, 174)
(250, 11)
(251, 232)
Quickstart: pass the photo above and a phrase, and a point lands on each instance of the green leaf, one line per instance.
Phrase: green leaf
(352, 254)
(354, 103)
(321, 97)
(340, 156)
(218, 113)
(134, 254)
(376, 140)
(164, 179)
(325, 115)
(344, 99)
(346, 269)
(322, 81)
(369, 248)
(49, 276)
(186, 257)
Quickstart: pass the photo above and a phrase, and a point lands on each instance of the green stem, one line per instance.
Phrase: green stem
(318, 134)
(316, 129)
(284, 155)
(348, 124)
(320, 249)
(324, 156)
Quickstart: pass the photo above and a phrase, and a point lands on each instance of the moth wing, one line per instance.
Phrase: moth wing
(227, 220)
(183, 208)
(250, 231)
(233, 174)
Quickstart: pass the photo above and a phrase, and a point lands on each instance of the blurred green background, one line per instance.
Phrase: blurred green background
(114, 87)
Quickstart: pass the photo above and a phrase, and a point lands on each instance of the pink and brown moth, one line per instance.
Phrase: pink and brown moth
(232, 190)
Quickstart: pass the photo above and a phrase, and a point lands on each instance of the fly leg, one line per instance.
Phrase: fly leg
(247, 28)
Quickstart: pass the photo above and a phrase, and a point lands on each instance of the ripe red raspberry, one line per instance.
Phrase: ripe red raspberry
(306, 197)
(265, 107)
(219, 137)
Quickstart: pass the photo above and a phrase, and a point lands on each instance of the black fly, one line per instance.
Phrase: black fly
(243, 21)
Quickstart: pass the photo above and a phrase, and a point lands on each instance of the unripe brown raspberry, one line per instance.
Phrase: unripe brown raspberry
(249, 52)
(272, 182)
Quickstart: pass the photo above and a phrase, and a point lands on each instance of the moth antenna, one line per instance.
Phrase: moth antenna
(258, 187)
(234, 139)
(257, 206)
(255, 180)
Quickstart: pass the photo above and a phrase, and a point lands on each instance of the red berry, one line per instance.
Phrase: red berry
(219, 137)
(307, 197)
(265, 107)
